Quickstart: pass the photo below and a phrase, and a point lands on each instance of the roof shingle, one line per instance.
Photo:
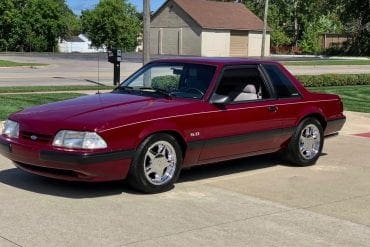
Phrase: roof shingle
(221, 15)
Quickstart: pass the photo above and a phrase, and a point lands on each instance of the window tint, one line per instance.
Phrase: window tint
(242, 84)
(283, 86)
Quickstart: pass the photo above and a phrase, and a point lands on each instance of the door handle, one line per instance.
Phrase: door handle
(273, 108)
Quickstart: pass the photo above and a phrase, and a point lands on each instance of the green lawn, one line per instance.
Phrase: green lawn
(13, 103)
(355, 98)
(51, 88)
(326, 62)
(4, 63)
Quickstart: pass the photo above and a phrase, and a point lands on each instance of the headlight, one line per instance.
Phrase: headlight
(11, 129)
(80, 140)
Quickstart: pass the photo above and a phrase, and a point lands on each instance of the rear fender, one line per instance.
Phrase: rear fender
(314, 112)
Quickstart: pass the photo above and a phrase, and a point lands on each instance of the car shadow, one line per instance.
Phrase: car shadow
(78, 190)
(17, 178)
(230, 167)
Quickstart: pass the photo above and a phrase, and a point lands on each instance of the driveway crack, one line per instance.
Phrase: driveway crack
(253, 217)
(10, 241)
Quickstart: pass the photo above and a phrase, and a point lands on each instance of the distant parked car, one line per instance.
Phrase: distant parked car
(172, 114)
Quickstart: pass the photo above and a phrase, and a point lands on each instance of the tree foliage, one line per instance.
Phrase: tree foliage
(113, 23)
(355, 14)
(34, 25)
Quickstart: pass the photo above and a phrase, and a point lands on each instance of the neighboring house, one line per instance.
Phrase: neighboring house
(206, 28)
(79, 43)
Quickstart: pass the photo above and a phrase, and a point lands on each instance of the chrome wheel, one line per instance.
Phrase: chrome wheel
(309, 141)
(160, 163)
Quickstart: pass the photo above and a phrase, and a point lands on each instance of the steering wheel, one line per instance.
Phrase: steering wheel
(188, 90)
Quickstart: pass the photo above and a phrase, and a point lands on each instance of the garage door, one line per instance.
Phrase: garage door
(170, 44)
(238, 43)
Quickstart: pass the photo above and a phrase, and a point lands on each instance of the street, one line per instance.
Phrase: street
(81, 70)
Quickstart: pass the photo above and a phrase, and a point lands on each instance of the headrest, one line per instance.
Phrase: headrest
(250, 88)
(193, 72)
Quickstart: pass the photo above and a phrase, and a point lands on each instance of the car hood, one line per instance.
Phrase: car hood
(94, 112)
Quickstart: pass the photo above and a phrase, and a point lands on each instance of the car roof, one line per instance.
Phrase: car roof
(219, 61)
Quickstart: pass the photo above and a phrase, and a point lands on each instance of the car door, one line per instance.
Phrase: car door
(288, 100)
(245, 125)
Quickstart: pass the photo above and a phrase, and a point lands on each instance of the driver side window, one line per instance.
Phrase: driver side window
(242, 84)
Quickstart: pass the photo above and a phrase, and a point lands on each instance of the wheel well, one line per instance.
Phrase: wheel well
(178, 138)
(319, 117)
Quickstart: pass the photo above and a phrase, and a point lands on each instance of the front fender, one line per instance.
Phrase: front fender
(158, 127)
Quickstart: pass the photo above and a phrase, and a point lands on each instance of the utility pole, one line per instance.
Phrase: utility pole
(146, 31)
(263, 49)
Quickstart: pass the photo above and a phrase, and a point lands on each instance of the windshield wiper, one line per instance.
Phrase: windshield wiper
(123, 89)
(157, 90)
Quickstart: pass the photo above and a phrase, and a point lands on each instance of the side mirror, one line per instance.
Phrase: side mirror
(219, 99)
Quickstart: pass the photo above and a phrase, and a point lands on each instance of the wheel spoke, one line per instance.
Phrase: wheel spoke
(160, 163)
(309, 141)
(151, 155)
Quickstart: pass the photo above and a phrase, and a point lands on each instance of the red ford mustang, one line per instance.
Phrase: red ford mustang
(172, 114)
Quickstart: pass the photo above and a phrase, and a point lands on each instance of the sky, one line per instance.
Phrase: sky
(78, 5)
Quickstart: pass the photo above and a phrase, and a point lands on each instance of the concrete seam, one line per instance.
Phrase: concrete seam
(10, 241)
(253, 217)
(214, 225)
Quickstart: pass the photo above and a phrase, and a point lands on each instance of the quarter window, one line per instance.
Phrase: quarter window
(283, 86)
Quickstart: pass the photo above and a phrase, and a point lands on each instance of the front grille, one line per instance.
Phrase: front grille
(36, 137)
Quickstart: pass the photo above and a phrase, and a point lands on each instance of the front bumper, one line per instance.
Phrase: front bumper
(66, 165)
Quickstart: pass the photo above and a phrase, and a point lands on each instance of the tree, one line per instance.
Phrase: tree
(34, 25)
(113, 23)
(46, 21)
(355, 16)
(10, 24)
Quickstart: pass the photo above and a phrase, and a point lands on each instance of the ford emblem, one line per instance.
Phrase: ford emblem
(33, 138)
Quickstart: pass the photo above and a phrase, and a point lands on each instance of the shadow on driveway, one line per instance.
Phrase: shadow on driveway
(214, 170)
(77, 190)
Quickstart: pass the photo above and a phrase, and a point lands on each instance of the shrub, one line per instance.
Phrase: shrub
(166, 82)
(327, 80)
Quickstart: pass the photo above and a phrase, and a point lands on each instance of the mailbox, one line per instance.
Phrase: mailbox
(115, 56)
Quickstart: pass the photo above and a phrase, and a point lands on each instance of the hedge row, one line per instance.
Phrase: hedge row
(327, 80)
(170, 82)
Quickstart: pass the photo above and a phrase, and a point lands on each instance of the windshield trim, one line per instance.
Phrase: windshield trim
(139, 72)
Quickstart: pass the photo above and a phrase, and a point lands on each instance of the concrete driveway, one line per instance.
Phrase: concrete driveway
(258, 201)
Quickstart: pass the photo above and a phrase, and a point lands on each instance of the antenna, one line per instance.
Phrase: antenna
(98, 72)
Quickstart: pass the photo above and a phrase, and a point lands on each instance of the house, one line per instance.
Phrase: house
(206, 28)
(80, 43)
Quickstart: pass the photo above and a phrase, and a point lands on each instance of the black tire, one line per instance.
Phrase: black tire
(293, 153)
(140, 179)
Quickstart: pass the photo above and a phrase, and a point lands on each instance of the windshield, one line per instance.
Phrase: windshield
(173, 79)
